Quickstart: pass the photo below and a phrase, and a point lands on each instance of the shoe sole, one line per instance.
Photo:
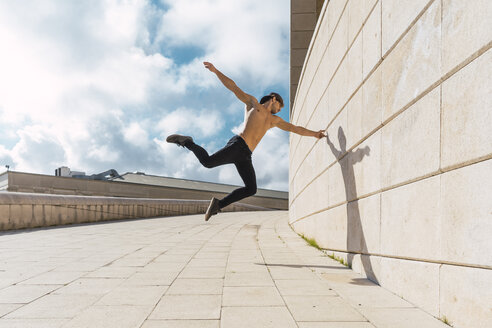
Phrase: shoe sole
(175, 139)
(209, 213)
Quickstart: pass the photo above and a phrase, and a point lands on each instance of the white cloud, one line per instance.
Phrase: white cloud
(85, 84)
(5, 158)
(136, 135)
(38, 147)
(188, 121)
(247, 37)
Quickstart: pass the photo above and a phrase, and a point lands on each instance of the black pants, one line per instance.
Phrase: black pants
(235, 152)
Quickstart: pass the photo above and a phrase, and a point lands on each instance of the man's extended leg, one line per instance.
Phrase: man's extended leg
(247, 173)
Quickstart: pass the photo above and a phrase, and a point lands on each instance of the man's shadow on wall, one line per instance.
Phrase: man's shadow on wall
(356, 242)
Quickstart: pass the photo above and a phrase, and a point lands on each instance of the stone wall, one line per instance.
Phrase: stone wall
(402, 188)
(23, 210)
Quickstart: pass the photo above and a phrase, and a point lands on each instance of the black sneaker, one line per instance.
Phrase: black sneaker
(178, 139)
(212, 209)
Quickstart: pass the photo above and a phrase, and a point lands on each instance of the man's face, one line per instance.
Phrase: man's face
(277, 106)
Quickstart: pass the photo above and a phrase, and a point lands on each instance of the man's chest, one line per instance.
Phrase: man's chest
(258, 118)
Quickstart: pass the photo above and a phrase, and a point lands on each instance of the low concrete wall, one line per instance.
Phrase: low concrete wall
(46, 184)
(23, 210)
(402, 187)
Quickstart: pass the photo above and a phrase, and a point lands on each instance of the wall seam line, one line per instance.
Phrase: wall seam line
(413, 259)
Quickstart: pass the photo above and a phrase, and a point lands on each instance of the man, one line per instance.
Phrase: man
(258, 119)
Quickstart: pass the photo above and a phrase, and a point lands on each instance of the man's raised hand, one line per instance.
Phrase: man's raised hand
(210, 67)
(320, 134)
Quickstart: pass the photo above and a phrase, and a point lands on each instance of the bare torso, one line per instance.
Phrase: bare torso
(257, 121)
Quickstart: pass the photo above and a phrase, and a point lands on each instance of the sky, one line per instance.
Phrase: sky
(97, 85)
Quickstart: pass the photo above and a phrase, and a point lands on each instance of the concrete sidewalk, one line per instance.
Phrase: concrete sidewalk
(238, 270)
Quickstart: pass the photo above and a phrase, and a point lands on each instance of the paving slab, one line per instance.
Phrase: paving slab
(237, 270)
(110, 317)
(188, 307)
(7, 308)
(32, 323)
(181, 324)
(133, 295)
(335, 325)
(401, 318)
(196, 287)
(54, 307)
(251, 296)
(25, 294)
(299, 287)
(321, 308)
(90, 286)
(258, 317)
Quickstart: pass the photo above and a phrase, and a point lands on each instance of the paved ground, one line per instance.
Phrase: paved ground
(238, 270)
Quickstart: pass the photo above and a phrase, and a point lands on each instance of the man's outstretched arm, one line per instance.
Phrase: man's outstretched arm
(286, 126)
(231, 85)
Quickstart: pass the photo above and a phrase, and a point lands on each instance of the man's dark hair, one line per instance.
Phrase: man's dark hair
(270, 96)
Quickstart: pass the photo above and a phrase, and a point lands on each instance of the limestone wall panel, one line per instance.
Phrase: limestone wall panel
(467, 113)
(371, 41)
(411, 142)
(371, 112)
(337, 186)
(414, 65)
(320, 115)
(358, 11)
(298, 226)
(356, 115)
(467, 27)
(363, 225)
(316, 162)
(330, 229)
(304, 202)
(366, 163)
(467, 214)
(466, 296)
(366, 265)
(315, 57)
(318, 193)
(305, 146)
(417, 282)
(338, 90)
(354, 66)
(397, 17)
(334, 12)
(339, 41)
(410, 220)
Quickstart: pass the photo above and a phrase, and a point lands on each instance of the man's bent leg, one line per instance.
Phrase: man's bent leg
(247, 173)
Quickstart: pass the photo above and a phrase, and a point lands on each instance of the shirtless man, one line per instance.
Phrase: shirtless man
(258, 119)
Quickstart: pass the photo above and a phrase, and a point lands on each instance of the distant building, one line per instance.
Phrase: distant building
(64, 171)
